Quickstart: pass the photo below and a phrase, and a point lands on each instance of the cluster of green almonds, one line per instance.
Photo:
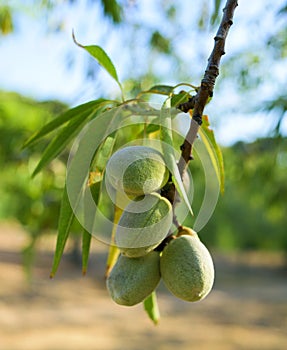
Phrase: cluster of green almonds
(184, 264)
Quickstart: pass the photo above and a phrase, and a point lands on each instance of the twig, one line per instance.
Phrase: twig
(198, 102)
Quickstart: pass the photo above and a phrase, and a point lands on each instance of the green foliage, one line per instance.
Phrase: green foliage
(67, 116)
(279, 104)
(251, 214)
(46, 8)
(95, 186)
(113, 10)
(169, 156)
(161, 90)
(159, 42)
(67, 133)
(102, 58)
(151, 307)
(111, 117)
(214, 16)
(207, 136)
(6, 21)
(86, 245)
(248, 217)
(59, 143)
(65, 222)
(34, 204)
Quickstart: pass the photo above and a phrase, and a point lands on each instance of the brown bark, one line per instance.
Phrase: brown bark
(198, 102)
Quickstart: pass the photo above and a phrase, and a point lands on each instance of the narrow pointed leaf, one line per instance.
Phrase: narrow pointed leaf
(89, 216)
(161, 90)
(151, 307)
(113, 250)
(65, 221)
(109, 120)
(95, 187)
(177, 99)
(99, 128)
(62, 119)
(102, 58)
(67, 133)
(103, 154)
(61, 141)
(86, 245)
(169, 155)
(142, 109)
(214, 151)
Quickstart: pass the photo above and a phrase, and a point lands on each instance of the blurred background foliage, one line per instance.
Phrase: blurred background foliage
(33, 203)
(252, 212)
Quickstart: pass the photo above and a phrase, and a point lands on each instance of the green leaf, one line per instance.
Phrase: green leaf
(169, 155)
(89, 212)
(65, 221)
(152, 128)
(98, 129)
(113, 10)
(86, 244)
(177, 99)
(95, 190)
(160, 42)
(64, 118)
(151, 307)
(214, 16)
(214, 151)
(67, 133)
(6, 20)
(141, 108)
(95, 187)
(102, 58)
(114, 251)
(61, 141)
(161, 90)
(103, 154)
(76, 178)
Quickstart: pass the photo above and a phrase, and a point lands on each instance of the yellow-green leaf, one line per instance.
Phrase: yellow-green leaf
(207, 136)
(179, 98)
(151, 307)
(113, 250)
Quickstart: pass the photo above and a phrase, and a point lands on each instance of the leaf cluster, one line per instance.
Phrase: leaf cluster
(153, 122)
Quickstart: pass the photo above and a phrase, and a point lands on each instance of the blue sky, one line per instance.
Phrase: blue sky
(33, 62)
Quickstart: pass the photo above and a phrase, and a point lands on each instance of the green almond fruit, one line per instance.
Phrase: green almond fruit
(137, 170)
(133, 279)
(143, 225)
(187, 268)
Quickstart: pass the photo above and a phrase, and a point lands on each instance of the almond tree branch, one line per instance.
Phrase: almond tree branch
(198, 102)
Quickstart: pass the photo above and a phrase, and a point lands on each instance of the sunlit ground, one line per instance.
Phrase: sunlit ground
(246, 310)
